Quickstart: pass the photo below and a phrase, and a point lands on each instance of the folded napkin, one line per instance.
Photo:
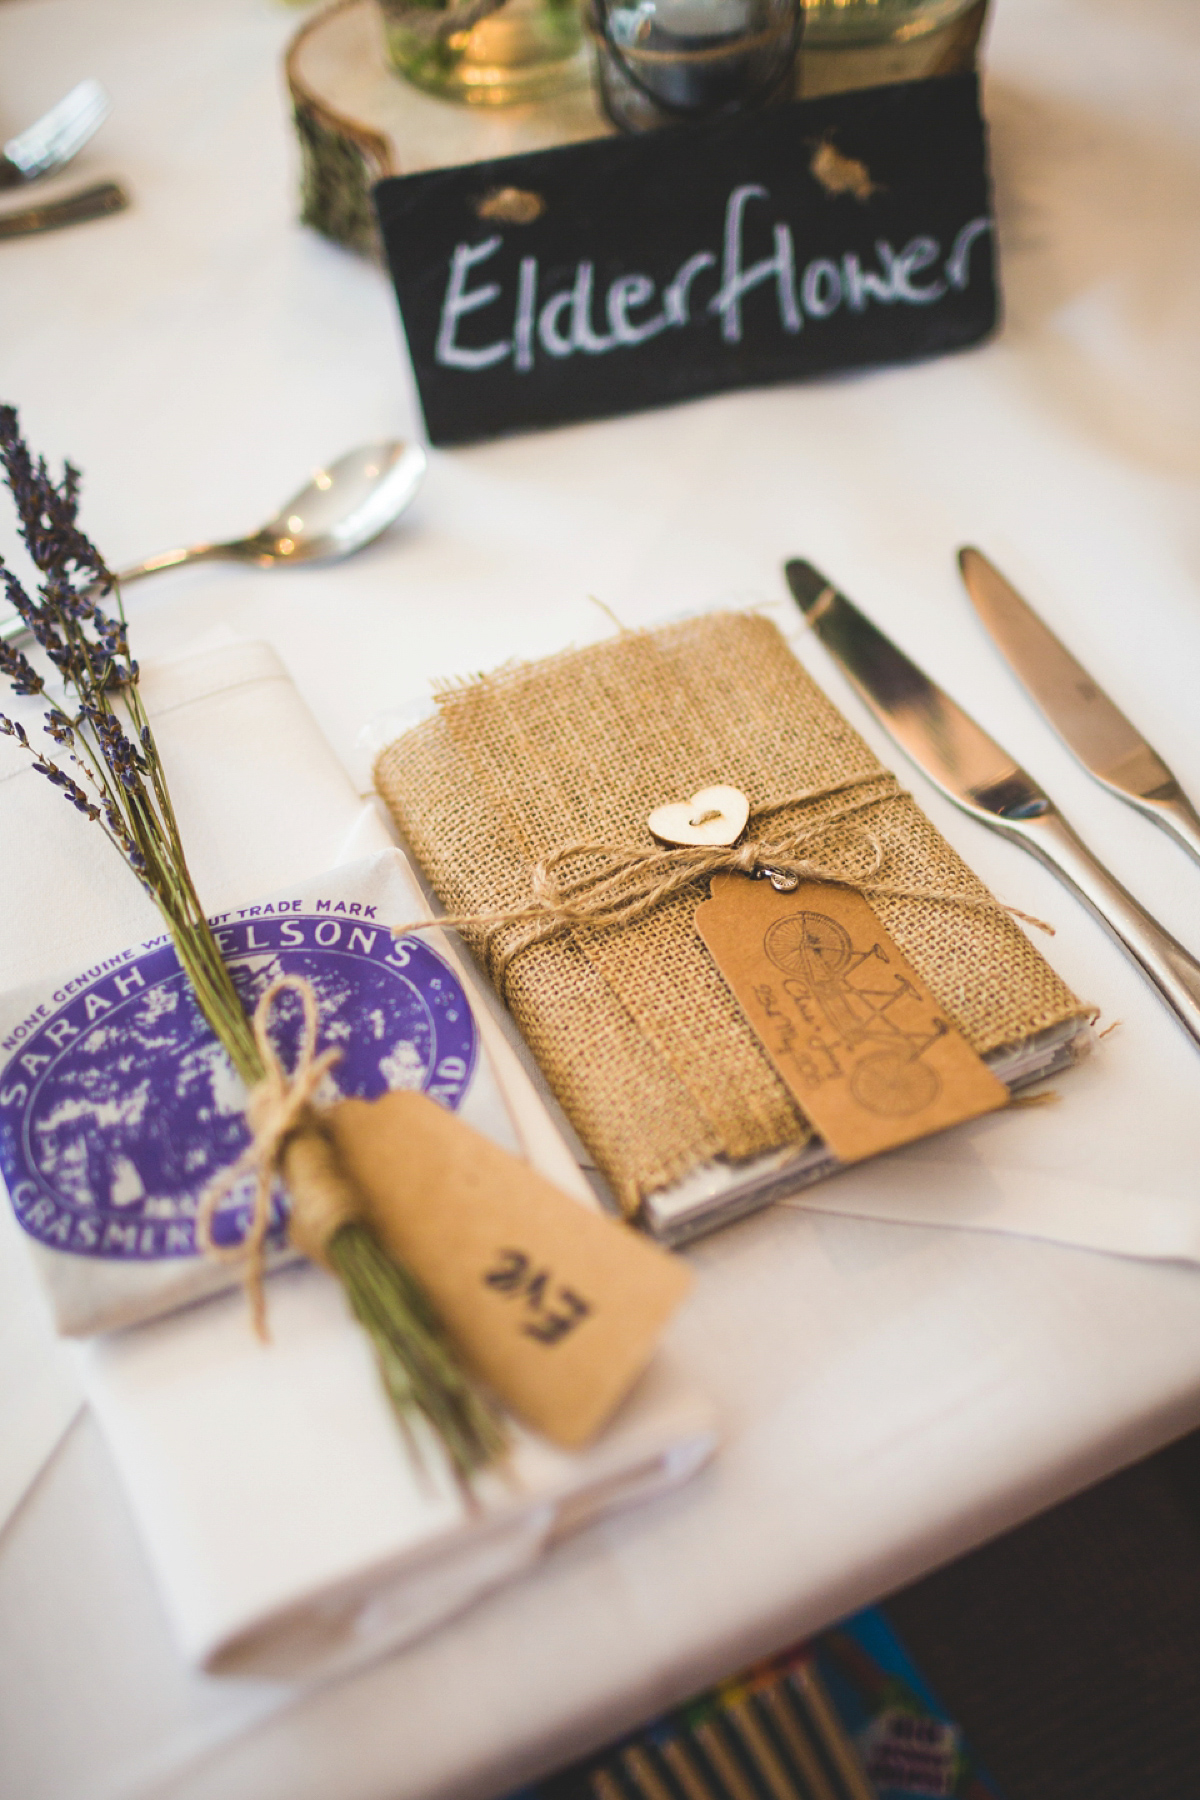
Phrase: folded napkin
(291, 1529)
(288, 1529)
(262, 802)
(261, 798)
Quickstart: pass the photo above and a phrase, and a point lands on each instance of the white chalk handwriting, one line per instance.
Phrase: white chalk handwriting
(578, 320)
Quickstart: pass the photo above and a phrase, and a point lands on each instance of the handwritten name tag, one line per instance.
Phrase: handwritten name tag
(641, 270)
(557, 1307)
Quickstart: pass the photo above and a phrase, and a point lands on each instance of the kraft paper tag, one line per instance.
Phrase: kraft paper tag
(556, 1307)
(845, 1018)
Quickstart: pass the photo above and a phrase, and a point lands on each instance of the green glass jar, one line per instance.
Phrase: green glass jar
(486, 52)
(830, 24)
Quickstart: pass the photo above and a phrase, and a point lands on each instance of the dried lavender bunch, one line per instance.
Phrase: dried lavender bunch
(112, 773)
(107, 767)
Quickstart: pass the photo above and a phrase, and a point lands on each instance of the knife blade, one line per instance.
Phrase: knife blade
(1102, 738)
(979, 776)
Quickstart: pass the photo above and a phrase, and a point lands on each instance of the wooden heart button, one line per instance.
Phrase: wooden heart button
(716, 815)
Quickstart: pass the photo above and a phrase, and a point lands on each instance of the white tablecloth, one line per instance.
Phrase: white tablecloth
(891, 1394)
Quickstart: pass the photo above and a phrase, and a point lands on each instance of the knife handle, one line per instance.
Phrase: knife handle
(1177, 816)
(1171, 968)
(74, 209)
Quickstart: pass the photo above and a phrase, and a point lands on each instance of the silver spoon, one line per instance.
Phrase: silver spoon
(343, 508)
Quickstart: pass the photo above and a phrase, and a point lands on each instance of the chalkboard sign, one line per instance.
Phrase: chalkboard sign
(626, 272)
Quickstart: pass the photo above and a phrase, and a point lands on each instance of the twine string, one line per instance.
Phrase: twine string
(278, 1108)
(626, 883)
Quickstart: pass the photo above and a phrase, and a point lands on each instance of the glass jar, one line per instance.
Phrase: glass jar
(660, 62)
(486, 52)
(831, 23)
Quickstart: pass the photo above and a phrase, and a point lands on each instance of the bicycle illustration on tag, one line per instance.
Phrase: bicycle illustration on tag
(852, 1020)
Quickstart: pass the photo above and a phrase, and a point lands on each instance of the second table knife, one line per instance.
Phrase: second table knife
(974, 771)
(1106, 743)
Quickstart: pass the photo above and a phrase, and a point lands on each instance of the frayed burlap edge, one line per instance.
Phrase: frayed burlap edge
(638, 1036)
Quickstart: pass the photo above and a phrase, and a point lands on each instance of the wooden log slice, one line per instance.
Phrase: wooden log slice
(358, 121)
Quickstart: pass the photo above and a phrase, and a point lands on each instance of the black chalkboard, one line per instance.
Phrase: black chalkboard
(625, 272)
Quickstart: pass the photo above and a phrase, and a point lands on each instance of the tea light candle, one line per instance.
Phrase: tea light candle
(691, 58)
(696, 23)
(673, 49)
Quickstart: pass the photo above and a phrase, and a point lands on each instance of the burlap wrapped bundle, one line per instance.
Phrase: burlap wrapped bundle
(637, 1033)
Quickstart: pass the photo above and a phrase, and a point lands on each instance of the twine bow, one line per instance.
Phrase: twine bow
(284, 1125)
(626, 883)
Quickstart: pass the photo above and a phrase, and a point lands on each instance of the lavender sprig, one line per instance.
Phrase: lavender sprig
(115, 778)
(18, 671)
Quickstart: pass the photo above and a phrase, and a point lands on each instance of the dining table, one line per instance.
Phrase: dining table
(889, 1393)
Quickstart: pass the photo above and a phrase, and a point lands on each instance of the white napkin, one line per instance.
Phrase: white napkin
(262, 801)
(39, 1383)
(288, 1529)
(261, 798)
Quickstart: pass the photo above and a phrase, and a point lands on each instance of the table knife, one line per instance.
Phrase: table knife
(1108, 746)
(73, 209)
(973, 770)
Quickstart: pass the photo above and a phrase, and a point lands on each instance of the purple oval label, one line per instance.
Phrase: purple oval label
(120, 1108)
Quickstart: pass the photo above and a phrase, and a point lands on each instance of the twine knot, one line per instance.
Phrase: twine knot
(623, 883)
(289, 1138)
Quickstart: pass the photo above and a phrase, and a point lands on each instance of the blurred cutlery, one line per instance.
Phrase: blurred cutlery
(73, 209)
(50, 143)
